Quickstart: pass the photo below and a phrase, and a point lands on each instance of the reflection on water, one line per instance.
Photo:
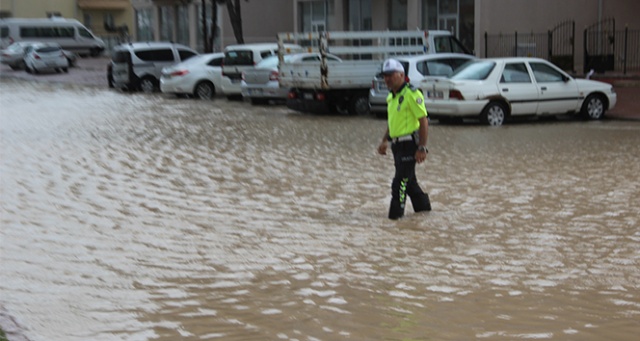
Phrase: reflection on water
(133, 217)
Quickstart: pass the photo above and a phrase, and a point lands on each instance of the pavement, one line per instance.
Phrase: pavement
(93, 72)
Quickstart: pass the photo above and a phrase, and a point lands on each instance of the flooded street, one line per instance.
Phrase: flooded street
(137, 217)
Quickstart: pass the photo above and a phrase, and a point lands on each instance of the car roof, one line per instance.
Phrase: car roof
(150, 44)
(515, 59)
(413, 58)
(259, 46)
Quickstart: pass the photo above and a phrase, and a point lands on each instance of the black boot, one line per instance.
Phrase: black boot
(396, 209)
(421, 202)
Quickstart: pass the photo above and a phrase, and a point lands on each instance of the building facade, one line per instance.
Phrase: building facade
(111, 20)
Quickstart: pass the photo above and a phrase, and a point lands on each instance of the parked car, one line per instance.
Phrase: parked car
(240, 58)
(261, 83)
(199, 76)
(14, 55)
(416, 68)
(498, 88)
(45, 57)
(138, 66)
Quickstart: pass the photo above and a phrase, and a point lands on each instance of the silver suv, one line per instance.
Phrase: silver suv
(138, 66)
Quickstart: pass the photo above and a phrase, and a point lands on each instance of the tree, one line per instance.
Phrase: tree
(235, 16)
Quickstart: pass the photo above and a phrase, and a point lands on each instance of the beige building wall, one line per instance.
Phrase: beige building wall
(70, 9)
(39, 8)
(262, 21)
(508, 16)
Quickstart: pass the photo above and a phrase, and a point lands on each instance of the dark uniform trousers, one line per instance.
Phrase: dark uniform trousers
(404, 182)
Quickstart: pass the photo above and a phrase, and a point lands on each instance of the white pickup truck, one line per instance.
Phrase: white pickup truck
(343, 87)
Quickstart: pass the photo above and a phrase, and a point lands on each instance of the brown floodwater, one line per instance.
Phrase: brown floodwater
(137, 217)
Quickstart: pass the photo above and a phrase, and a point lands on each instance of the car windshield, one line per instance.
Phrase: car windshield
(474, 70)
(195, 60)
(269, 62)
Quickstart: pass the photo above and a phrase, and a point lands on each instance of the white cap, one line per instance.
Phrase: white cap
(391, 66)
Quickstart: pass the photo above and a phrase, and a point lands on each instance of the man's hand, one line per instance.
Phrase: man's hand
(382, 148)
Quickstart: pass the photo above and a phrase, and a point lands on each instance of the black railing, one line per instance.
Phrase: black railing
(605, 49)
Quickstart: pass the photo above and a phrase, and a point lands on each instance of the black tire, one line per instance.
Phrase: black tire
(205, 90)
(65, 69)
(148, 85)
(593, 108)
(14, 67)
(450, 120)
(28, 69)
(359, 105)
(494, 114)
(58, 70)
(258, 101)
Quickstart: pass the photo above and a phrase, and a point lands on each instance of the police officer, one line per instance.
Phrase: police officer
(407, 130)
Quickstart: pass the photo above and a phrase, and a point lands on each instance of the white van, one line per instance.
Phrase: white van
(69, 33)
(138, 66)
(238, 58)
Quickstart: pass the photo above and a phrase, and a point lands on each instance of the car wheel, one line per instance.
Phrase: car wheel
(65, 69)
(258, 101)
(494, 114)
(359, 105)
(593, 107)
(15, 67)
(450, 120)
(58, 70)
(148, 85)
(28, 69)
(205, 90)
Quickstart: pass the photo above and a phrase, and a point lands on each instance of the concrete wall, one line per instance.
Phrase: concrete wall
(509, 16)
(262, 21)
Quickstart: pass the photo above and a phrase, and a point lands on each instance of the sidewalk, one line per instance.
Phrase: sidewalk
(628, 90)
(93, 72)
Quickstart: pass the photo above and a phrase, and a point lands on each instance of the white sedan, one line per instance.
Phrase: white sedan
(45, 57)
(199, 76)
(498, 88)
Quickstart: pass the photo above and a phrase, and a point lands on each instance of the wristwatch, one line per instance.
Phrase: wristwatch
(423, 149)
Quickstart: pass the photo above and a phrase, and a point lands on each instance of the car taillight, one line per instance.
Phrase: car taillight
(179, 73)
(292, 95)
(35, 56)
(274, 76)
(455, 94)
(320, 96)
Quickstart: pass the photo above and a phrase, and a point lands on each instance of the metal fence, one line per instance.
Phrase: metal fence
(610, 50)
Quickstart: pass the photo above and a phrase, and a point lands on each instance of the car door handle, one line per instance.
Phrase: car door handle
(505, 89)
(543, 88)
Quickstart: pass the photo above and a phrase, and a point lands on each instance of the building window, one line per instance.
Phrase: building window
(166, 23)
(109, 22)
(144, 24)
(398, 15)
(456, 16)
(183, 25)
(88, 22)
(313, 15)
(360, 15)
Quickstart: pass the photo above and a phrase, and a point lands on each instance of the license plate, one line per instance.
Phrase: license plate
(236, 80)
(255, 92)
(307, 96)
(435, 94)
